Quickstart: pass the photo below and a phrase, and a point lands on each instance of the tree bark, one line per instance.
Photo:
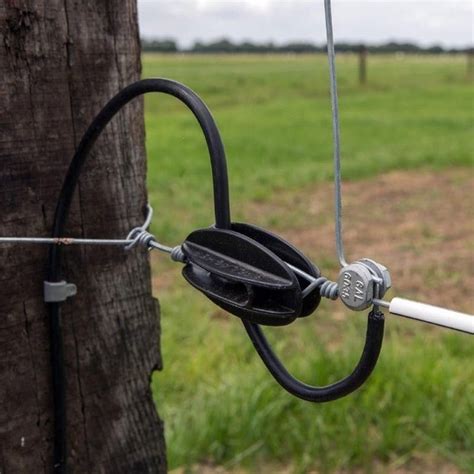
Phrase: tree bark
(60, 61)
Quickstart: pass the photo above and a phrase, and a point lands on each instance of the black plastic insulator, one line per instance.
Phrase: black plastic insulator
(242, 276)
(289, 254)
(247, 272)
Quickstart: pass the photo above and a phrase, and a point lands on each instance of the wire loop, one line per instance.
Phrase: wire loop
(140, 235)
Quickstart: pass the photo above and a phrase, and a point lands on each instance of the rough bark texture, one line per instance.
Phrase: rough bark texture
(60, 61)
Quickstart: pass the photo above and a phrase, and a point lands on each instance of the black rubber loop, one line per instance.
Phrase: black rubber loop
(222, 215)
(367, 362)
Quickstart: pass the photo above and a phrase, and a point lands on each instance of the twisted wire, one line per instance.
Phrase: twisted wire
(177, 254)
(139, 236)
(329, 289)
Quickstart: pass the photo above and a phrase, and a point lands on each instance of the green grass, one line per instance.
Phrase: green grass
(274, 115)
(217, 400)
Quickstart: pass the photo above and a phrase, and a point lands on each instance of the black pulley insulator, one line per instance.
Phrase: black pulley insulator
(290, 255)
(242, 276)
(245, 271)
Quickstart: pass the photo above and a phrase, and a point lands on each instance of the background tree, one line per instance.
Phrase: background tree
(60, 62)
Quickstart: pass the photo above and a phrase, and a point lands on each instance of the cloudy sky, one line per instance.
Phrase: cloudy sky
(446, 22)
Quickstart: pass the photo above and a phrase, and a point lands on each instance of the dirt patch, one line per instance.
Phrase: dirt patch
(419, 464)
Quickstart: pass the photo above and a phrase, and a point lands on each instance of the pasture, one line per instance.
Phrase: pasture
(407, 150)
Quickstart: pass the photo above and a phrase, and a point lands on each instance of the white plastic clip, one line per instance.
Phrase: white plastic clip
(56, 292)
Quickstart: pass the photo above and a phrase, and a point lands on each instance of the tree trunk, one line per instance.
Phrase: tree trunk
(60, 61)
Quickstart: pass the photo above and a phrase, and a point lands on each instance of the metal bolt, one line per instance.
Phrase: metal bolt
(356, 286)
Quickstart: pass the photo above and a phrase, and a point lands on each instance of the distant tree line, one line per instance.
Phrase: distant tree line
(169, 45)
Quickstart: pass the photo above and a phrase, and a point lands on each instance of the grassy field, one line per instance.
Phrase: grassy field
(415, 115)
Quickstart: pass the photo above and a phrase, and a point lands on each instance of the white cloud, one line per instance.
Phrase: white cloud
(449, 22)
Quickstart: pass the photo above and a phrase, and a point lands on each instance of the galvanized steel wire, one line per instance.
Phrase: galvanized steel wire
(336, 134)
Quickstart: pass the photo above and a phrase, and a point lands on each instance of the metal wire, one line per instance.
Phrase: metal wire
(137, 236)
(327, 288)
(336, 134)
(381, 303)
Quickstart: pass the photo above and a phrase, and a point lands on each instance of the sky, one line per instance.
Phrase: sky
(426, 22)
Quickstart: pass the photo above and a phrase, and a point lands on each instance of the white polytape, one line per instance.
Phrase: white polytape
(432, 314)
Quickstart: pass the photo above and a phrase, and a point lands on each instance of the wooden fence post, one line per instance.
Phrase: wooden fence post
(362, 65)
(470, 63)
(59, 63)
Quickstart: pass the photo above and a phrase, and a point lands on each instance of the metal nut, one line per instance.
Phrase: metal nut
(356, 286)
(381, 272)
